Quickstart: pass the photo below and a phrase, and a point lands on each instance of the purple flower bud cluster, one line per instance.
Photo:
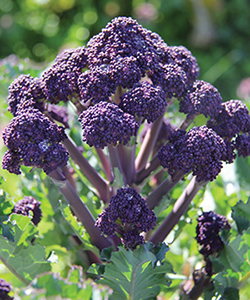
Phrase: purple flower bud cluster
(144, 100)
(208, 229)
(24, 92)
(96, 85)
(5, 288)
(128, 215)
(124, 37)
(232, 119)
(181, 56)
(60, 80)
(105, 123)
(171, 78)
(33, 140)
(200, 150)
(27, 205)
(201, 98)
(233, 124)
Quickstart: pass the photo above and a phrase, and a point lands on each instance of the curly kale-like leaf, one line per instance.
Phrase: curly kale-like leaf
(131, 274)
(22, 258)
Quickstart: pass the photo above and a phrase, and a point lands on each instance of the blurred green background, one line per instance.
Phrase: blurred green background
(216, 31)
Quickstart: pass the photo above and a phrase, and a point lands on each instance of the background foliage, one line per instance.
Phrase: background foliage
(216, 32)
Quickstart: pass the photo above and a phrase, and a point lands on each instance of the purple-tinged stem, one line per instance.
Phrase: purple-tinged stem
(179, 208)
(92, 175)
(184, 124)
(127, 160)
(105, 163)
(145, 172)
(196, 292)
(165, 187)
(115, 162)
(148, 144)
(117, 95)
(80, 209)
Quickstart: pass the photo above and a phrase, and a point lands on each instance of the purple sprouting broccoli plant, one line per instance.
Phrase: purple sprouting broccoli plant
(33, 140)
(124, 88)
(208, 231)
(127, 215)
(27, 205)
(5, 288)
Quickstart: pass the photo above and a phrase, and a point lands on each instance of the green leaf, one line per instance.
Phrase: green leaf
(24, 259)
(232, 255)
(231, 294)
(131, 274)
(74, 287)
(241, 215)
(77, 227)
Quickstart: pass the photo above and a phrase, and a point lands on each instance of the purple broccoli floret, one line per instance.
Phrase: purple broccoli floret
(201, 98)
(208, 229)
(124, 37)
(200, 150)
(144, 100)
(171, 78)
(233, 118)
(33, 140)
(26, 205)
(25, 92)
(242, 144)
(105, 123)
(125, 71)
(96, 85)
(60, 80)
(181, 56)
(128, 215)
(5, 288)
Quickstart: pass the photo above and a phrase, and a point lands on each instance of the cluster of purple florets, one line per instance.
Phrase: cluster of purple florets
(24, 92)
(233, 125)
(125, 64)
(144, 100)
(128, 215)
(33, 140)
(201, 98)
(105, 123)
(5, 288)
(200, 150)
(60, 80)
(27, 205)
(208, 229)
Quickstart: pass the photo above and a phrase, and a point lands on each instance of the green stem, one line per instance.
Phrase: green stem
(92, 175)
(80, 209)
(179, 208)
